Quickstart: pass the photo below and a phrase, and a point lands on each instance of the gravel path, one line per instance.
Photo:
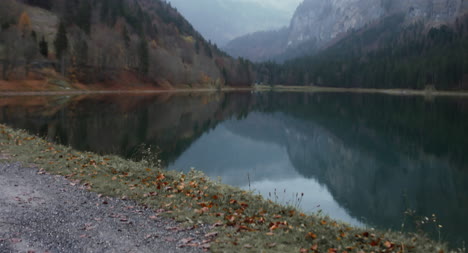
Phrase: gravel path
(46, 213)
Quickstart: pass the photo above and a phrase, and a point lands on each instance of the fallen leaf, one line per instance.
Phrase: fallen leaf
(149, 236)
(212, 234)
(186, 240)
(248, 246)
(205, 246)
(312, 235)
(190, 245)
(15, 240)
(170, 239)
(160, 177)
(303, 250)
(388, 244)
(217, 224)
(271, 245)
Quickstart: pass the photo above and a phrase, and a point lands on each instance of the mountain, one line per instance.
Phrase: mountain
(223, 20)
(389, 55)
(112, 43)
(323, 21)
(258, 46)
(317, 23)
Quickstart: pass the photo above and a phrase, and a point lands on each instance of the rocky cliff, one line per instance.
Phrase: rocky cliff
(323, 21)
(319, 23)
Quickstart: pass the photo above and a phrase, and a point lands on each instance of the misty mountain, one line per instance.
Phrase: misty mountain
(259, 46)
(317, 24)
(223, 20)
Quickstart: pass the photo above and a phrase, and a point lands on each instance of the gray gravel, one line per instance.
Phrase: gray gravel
(46, 213)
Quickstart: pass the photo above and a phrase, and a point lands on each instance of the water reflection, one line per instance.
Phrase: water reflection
(259, 165)
(364, 159)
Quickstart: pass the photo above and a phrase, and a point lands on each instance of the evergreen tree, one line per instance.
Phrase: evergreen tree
(82, 53)
(61, 41)
(104, 10)
(44, 47)
(83, 19)
(126, 37)
(34, 35)
(143, 53)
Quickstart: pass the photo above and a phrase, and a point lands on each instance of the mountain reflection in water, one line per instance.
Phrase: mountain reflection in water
(361, 158)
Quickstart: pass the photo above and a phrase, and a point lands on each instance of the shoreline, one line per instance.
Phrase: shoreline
(136, 91)
(259, 88)
(396, 92)
(243, 221)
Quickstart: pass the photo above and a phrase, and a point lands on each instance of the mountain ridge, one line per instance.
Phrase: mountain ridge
(317, 24)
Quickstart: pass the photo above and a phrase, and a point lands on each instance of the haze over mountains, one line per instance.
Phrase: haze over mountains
(317, 23)
(223, 20)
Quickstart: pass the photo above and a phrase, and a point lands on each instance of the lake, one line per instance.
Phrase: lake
(369, 160)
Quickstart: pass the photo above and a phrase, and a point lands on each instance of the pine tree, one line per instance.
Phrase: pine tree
(84, 16)
(126, 37)
(61, 41)
(44, 47)
(143, 53)
(34, 35)
(61, 45)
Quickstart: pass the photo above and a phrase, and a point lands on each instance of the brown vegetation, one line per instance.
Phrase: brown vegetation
(104, 44)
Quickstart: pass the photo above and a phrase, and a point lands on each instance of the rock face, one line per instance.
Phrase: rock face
(323, 21)
(317, 23)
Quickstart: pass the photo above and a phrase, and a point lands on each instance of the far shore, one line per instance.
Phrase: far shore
(256, 88)
(398, 92)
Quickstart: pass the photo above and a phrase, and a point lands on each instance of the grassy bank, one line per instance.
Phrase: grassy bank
(245, 222)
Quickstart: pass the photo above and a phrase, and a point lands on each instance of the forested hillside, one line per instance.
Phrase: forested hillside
(387, 54)
(110, 41)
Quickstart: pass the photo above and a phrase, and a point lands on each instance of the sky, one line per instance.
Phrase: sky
(288, 6)
(223, 20)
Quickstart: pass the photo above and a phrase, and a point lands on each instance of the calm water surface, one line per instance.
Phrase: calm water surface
(365, 159)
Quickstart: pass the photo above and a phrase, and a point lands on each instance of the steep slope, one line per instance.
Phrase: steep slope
(324, 21)
(123, 42)
(389, 54)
